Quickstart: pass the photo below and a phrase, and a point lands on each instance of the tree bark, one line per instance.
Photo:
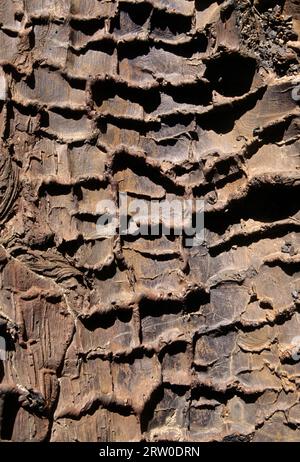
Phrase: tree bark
(126, 338)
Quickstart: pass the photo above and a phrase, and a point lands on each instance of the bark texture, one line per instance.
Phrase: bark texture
(123, 339)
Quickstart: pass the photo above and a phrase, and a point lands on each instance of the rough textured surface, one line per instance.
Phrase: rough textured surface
(133, 338)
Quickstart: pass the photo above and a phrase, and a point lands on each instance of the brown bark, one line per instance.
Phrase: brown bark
(123, 338)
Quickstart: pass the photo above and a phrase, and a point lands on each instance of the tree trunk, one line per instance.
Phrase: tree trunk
(130, 337)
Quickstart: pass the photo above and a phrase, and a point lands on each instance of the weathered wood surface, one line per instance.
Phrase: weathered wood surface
(124, 339)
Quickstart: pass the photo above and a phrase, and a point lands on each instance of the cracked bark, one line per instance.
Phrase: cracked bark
(123, 339)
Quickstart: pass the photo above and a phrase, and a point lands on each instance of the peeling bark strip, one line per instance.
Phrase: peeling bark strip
(137, 337)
